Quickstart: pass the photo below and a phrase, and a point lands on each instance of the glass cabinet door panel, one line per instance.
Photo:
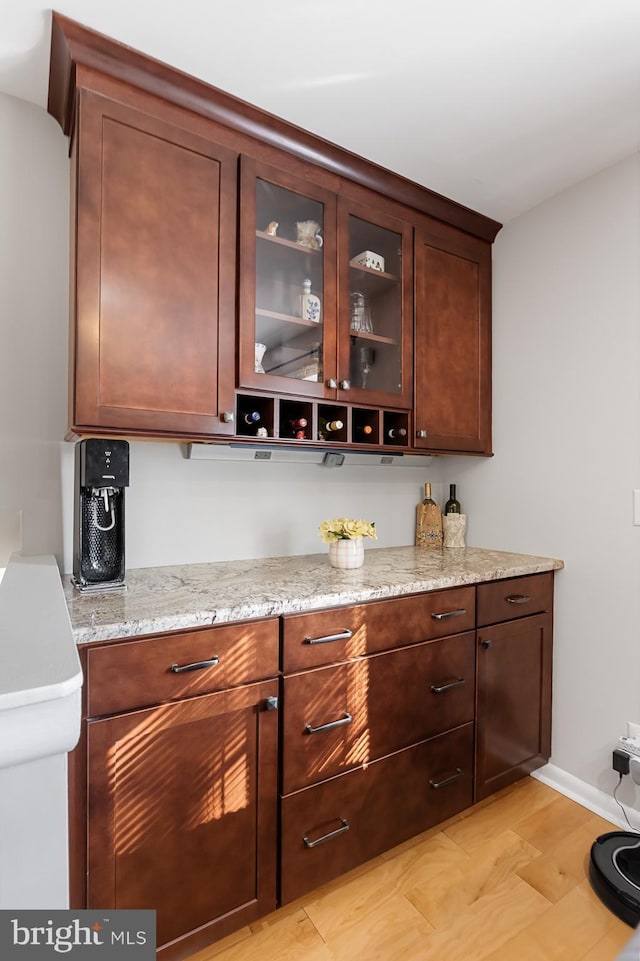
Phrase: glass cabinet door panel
(289, 282)
(287, 295)
(379, 309)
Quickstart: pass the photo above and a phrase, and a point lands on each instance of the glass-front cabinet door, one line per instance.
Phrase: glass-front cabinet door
(288, 283)
(375, 278)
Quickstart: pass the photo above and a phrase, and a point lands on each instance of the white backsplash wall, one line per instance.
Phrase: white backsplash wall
(181, 511)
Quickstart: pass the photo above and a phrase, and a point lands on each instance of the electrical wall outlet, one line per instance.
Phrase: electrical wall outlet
(633, 729)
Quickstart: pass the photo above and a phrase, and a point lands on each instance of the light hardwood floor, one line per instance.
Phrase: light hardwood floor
(507, 880)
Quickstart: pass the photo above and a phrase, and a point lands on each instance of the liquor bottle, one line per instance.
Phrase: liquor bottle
(309, 305)
(428, 521)
(452, 506)
(328, 427)
(298, 428)
(397, 433)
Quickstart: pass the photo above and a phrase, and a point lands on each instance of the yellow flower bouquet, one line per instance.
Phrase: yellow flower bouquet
(345, 529)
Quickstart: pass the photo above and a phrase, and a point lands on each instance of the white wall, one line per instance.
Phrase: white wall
(566, 432)
(567, 447)
(34, 203)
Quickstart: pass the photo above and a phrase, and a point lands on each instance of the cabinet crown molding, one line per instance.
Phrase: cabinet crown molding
(77, 50)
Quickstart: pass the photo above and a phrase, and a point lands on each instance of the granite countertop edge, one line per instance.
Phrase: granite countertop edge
(180, 597)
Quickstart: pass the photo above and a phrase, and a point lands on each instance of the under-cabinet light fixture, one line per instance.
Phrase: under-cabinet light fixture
(264, 453)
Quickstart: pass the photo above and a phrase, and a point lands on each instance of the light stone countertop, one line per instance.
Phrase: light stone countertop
(195, 595)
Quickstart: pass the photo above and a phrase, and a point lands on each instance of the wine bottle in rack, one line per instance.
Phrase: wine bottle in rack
(327, 428)
(364, 430)
(453, 504)
(298, 428)
(397, 433)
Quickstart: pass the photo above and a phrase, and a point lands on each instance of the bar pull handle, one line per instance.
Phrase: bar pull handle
(517, 598)
(330, 726)
(447, 685)
(196, 666)
(308, 843)
(343, 635)
(445, 614)
(446, 780)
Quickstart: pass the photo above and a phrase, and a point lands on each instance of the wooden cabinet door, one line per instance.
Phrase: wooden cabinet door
(299, 355)
(513, 720)
(452, 408)
(182, 812)
(154, 275)
(375, 335)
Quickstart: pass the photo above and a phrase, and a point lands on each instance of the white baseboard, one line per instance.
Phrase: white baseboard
(590, 797)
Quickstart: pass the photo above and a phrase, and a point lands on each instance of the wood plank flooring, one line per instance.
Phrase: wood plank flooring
(507, 880)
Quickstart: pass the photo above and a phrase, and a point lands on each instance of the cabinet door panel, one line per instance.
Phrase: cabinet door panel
(276, 258)
(336, 718)
(372, 809)
(174, 793)
(154, 273)
(452, 342)
(514, 663)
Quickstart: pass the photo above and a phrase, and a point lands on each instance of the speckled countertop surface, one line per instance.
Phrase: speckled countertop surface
(193, 595)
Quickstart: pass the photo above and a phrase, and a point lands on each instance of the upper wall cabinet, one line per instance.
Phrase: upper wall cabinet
(154, 273)
(452, 410)
(222, 257)
(325, 293)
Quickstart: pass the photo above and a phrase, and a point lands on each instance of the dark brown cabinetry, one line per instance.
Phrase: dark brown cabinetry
(180, 796)
(355, 343)
(154, 271)
(166, 315)
(378, 746)
(452, 410)
(392, 716)
(514, 662)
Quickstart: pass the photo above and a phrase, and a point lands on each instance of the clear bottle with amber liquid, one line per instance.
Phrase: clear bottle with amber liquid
(428, 521)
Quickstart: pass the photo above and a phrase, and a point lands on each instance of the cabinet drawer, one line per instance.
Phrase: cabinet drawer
(516, 597)
(338, 717)
(334, 826)
(323, 637)
(132, 674)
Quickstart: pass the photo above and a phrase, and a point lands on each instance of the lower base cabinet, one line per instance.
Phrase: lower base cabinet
(227, 770)
(174, 809)
(331, 827)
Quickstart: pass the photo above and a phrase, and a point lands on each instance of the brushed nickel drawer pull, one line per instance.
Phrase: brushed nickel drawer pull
(517, 598)
(330, 726)
(447, 686)
(196, 666)
(446, 780)
(343, 635)
(308, 843)
(445, 614)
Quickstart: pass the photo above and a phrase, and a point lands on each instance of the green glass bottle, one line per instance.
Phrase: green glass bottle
(453, 505)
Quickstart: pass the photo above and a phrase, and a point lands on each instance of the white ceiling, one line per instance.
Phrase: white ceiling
(497, 104)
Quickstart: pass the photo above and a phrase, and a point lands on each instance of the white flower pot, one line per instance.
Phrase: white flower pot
(346, 553)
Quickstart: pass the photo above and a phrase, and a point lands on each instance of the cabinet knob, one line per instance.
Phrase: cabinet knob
(486, 644)
(421, 434)
(332, 383)
(345, 385)
(227, 416)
